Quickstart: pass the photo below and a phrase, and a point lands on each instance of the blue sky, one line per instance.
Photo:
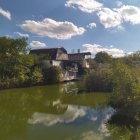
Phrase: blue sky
(89, 25)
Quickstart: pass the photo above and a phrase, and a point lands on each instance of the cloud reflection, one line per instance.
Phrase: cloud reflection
(94, 120)
(69, 116)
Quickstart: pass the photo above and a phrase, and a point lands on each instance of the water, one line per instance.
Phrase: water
(56, 112)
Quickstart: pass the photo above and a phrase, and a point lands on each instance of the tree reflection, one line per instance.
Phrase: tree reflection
(18, 106)
(124, 128)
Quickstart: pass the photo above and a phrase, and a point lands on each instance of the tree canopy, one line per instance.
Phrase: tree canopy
(102, 57)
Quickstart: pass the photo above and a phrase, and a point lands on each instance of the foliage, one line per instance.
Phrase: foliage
(11, 54)
(52, 75)
(123, 81)
(132, 60)
(100, 79)
(126, 95)
(18, 69)
(36, 77)
(122, 132)
(16, 65)
(92, 63)
(102, 57)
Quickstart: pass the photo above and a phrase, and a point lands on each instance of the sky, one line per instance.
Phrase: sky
(112, 26)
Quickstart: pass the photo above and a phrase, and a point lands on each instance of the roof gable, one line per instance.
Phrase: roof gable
(52, 53)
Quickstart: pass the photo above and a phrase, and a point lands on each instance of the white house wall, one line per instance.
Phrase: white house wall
(85, 64)
(57, 63)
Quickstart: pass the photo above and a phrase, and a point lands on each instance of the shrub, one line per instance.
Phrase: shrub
(36, 77)
(99, 80)
(126, 94)
(52, 75)
(8, 83)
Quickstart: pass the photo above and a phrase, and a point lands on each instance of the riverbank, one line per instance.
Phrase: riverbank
(39, 84)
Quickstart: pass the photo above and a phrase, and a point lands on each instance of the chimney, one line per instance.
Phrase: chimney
(78, 51)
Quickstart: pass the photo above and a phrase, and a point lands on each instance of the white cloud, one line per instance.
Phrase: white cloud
(130, 13)
(37, 44)
(92, 25)
(119, 3)
(95, 48)
(5, 13)
(53, 29)
(21, 34)
(87, 6)
(109, 18)
(115, 17)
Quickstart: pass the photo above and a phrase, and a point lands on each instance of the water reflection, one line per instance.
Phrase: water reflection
(18, 106)
(93, 119)
(124, 128)
(72, 113)
(41, 113)
(69, 88)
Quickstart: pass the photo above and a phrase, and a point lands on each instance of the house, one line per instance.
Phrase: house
(80, 57)
(54, 56)
(60, 58)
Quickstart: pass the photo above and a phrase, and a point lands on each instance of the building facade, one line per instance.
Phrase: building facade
(60, 58)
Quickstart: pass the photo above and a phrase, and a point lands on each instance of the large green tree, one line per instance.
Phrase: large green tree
(15, 64)
(102, 57)
(11, 54)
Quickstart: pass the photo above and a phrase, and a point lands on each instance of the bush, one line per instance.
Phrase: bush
(126, 94)
(8, 83)
(52, 75)
(36, 77)
(99, 80)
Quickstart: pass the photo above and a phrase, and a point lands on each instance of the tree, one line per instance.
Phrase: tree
(15, 64)
(99, 80)
(102, 57)
(11, 55)
(126, 92)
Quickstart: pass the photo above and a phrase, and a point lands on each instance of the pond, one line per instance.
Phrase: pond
(56, 112)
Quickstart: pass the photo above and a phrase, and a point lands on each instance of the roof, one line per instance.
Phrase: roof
(51, 52)
(78, 56)
(83, 53)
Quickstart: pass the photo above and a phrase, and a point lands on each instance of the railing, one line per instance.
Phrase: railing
(72, 69)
